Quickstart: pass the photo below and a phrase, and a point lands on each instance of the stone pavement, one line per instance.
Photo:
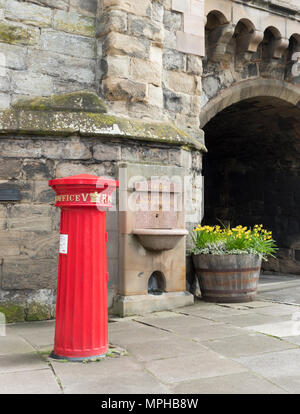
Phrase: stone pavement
(205, 348)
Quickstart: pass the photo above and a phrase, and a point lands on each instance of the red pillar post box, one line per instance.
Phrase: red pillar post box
(81, 328)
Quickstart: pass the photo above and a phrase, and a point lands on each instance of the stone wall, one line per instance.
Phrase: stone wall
(56, 143)
(46, 47)
(30, 228)
(168, 59)
(156, 60)
(143, 73)
(127, 53)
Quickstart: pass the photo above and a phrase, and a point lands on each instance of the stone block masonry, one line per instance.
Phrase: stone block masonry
(151, 59)
(50, 146)
(142, 72)
(49, 47)
(29, 230)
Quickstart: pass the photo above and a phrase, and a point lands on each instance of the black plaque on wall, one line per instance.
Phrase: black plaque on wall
(9, 194)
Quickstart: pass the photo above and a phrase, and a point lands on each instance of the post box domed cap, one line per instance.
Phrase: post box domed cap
(84, 179)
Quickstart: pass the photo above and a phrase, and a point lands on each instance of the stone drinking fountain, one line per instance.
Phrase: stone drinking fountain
(152, 241)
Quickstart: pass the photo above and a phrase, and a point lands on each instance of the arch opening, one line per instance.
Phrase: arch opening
(242, 35)
(156, 283)
(215, 18)
(252, 172)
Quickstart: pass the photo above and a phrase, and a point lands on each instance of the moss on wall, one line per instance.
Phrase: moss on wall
(81, 101)
(14, 35)
(27, 312)
(38, 312)
(85, 124)
(83, 113)
(13, 312)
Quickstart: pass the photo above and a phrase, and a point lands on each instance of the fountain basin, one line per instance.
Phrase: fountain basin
(159, 239)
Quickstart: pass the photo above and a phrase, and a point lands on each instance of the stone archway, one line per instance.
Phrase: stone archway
(250, 89)
(252, 168)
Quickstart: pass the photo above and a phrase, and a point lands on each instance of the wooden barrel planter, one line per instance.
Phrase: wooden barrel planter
(228, 278)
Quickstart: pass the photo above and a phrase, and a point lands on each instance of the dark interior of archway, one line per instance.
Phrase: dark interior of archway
(252, 172)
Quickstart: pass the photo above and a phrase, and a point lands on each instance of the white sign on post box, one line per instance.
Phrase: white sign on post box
(63, 243)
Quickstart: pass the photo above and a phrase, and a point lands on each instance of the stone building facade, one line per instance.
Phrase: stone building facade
(87, 84)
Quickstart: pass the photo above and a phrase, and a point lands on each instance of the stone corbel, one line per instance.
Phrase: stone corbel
(218, 40)
(248, 42)
(278, 47)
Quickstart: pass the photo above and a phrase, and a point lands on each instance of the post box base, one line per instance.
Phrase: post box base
(76, 359)
(143, 304)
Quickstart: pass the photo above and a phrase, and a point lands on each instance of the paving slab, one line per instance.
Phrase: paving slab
(205, 348)
(13, 344)
(38, 334)
(122, 326)
(274, 365)
(257, 304)
(214, 313)
(240, 306)
(193, 327)
(242, 383)
(29, 382)
(250, 319)
(214, 331)
(198, 308)
(191, 367)
(277, 282)
(181, 324)
(279, 329)
(164, 314)
(21, 362)
(243, 345)
(292, 339)
(199, 302)
(121, 375)
(159, 349)
(291, 384)
(283, 295)
(279, 310)
(135, 333)
(277, 278)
